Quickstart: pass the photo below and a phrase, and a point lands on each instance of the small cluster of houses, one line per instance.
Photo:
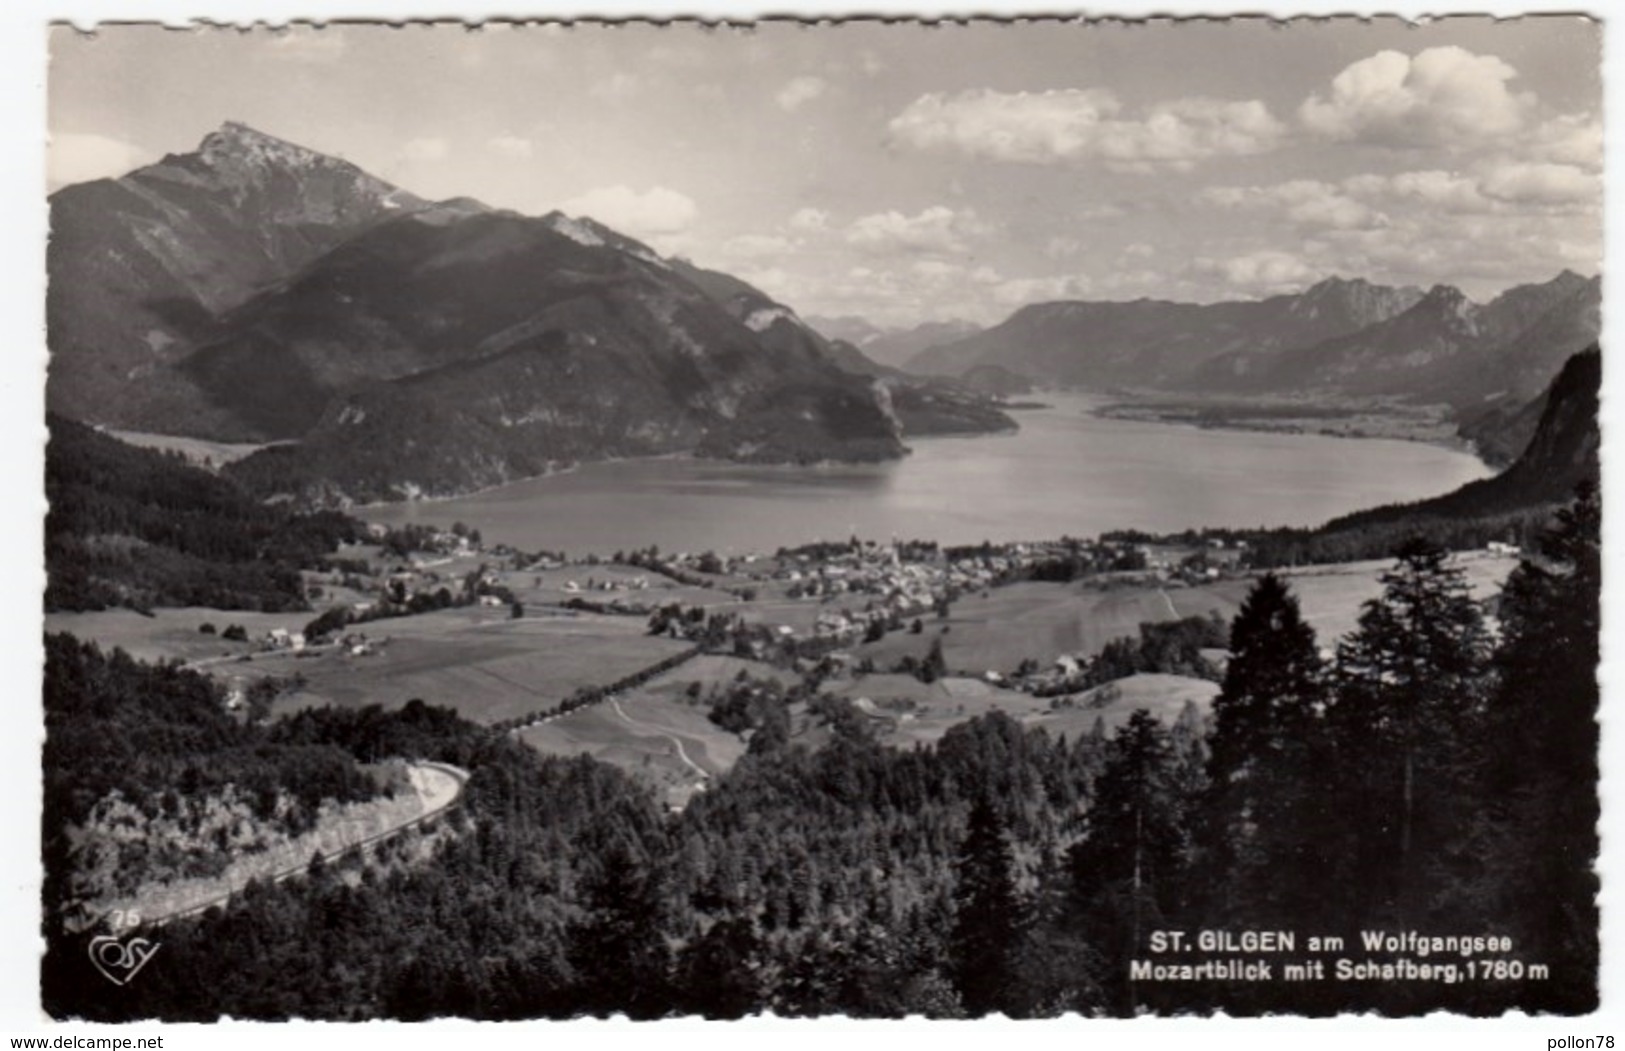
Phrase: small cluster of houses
(353, 644)
(594, 584)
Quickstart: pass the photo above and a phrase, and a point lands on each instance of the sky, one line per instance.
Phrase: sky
(905, 173)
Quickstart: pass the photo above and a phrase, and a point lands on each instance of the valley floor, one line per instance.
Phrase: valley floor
(493, 668)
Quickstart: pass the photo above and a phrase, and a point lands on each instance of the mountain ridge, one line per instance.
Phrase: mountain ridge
(1155, 342)
(503, 343)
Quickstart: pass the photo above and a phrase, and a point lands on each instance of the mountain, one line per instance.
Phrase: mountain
(899, 346)
(1500, 402)
(416, 348)
(140, 265)
(1562, 452)
(440, 353)
(922, 407)
(1444, 349)
(1157, 343)
(892, 347)
(849, 329)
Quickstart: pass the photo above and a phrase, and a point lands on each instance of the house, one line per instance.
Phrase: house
(283, 639)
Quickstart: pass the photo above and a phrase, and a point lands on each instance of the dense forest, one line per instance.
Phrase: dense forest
(159, 739)
(141, 528)
(1434, 775)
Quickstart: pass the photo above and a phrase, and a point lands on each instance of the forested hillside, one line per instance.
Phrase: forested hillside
(1445, 788)
(136, 527)
(130, 745)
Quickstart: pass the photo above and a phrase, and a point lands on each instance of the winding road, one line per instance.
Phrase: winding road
(439, 784)
(674, 739)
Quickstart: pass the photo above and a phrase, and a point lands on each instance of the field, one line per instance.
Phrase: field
(551, 587)
(477, 660)
(197, 450)
(1043, 621)
(912, 712)
(1331, 596)
(171, 633)
(1164, 696)
(655, 733)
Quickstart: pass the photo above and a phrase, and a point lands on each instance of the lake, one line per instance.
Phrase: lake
(1067, 472)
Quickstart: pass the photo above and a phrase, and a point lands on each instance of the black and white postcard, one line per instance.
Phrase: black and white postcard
(1042, 518)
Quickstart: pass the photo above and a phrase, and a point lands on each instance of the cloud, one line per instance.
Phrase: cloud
(426, 150)
(308, 45)
(1450, 191)
(1443, 97)
(938, 229)
(1262, 272)
(800, 91)
(1083, 125)
(655, 211)
(1542, 184)
(1575, 139)
(511, 146)
(1373, 201)
(1139, 250)
(1307, 202)
(809, 220)
(72, 158)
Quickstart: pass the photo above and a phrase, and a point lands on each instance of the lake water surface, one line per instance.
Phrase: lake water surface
(1066, 472)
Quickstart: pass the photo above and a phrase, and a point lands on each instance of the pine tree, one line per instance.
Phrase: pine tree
(1541, 784)
(988, 916)
(619, 953)
(1408, 723)
(1129, 871)
(1265, 811)
(720, 971)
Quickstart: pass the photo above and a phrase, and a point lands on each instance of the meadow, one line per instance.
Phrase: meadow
(480, 661)
(1042, 621)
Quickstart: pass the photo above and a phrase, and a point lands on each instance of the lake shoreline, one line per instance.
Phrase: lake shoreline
(1255, 417)
(1069, 470)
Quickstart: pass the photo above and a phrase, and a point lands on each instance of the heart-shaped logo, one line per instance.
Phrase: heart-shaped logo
(120, 961)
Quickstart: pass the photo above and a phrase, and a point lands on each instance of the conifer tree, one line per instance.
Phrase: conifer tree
(988, 916)
(1129, 871)
(619, 953)
(1543, 773)
(1408, 721)
(1265, 811)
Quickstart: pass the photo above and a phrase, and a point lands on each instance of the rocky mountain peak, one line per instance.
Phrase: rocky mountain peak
(247, 161)
(1356, 299)
(236, 145)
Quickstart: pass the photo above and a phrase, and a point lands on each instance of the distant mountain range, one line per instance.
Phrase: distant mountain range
(1158, 343)
(891, 346)
(256, 290)
(1338, 339)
